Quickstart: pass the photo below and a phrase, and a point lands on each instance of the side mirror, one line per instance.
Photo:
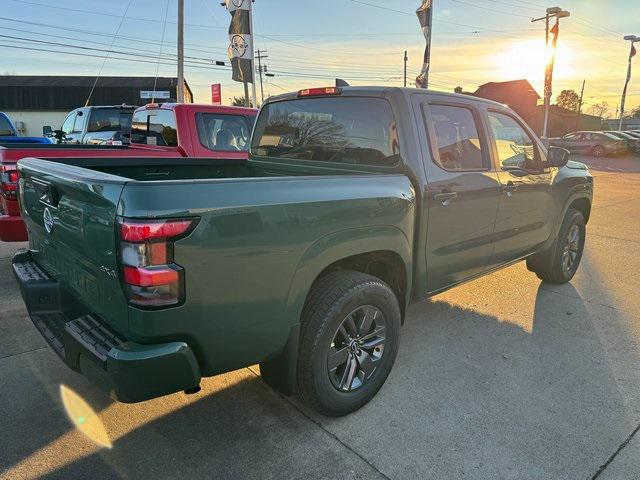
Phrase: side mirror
(47, 130)
(557, 157)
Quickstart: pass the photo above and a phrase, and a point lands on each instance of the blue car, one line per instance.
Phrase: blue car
(9, 133)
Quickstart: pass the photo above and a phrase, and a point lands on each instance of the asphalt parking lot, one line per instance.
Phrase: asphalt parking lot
(501, 378)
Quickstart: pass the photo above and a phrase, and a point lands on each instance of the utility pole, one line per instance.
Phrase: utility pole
(581, 95)
(405, 67)
(632, 51)
(260, 54)
(558, 13)
(253, 59)
(180, 86)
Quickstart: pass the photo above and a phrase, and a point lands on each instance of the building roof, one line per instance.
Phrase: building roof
(522, 86)
(35, 92)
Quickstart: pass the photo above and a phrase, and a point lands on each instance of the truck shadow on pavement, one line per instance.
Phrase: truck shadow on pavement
(472, 394)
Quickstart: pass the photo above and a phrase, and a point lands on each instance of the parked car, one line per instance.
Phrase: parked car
(597, 144)
(9, 133)
(170, 130)
(633, 143)
(634, 134)
(148, 275)
(98, 125)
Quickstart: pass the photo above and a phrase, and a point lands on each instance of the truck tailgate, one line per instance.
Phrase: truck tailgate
(70, 213)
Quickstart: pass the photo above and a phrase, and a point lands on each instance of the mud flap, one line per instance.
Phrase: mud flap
(281, 372)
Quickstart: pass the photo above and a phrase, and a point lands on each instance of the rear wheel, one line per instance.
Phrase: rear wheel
(559, 263)
(598, 151)
(349, 341)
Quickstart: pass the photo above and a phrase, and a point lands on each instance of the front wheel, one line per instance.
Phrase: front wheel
(349, 341)
(559, 263)
(598, 151)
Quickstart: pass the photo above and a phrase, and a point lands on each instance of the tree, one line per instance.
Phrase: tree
(239, 101)
(635, 113)
(568, 99)
(599, 109)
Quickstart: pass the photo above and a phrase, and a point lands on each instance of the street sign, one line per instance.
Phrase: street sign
(216, 94)
(155, 94)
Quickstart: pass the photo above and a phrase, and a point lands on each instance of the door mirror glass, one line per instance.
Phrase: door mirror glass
(558, 157)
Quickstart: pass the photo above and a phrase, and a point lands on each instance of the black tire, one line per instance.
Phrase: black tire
(559, 263)
(598, 151)
(331, 302)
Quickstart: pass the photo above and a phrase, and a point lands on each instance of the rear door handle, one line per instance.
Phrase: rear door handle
(445, 197)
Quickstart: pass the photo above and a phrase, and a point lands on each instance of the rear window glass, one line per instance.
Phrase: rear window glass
(224, 133)
(154, 127)
(110, 120)
(352, 130)
(5, 127)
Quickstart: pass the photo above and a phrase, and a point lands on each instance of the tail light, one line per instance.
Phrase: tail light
(9, 181)
(151, 276)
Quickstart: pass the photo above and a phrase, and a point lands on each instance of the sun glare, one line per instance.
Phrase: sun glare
(527, 59)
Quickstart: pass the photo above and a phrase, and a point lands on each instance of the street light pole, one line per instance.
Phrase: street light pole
(633, 39)
(558, 13)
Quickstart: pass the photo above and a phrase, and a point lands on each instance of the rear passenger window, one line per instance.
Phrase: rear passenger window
(457, 138)
(516, 148)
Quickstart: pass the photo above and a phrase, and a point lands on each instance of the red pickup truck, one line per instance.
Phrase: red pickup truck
(157, 130)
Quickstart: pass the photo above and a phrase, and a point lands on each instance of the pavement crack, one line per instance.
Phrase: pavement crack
(615, 454)
(331, 434)
(586, 300)
(613, 238)
(23, 353)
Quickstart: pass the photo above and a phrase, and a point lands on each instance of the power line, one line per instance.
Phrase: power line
(93, 12)
(115, 35)
(164, 28)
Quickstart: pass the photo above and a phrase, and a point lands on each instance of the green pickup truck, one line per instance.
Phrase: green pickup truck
(147, 276)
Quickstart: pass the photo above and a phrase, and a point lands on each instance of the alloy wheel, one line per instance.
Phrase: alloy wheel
(571, 248)
(356, 348)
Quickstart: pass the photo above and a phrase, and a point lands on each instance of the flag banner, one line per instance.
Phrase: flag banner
(233, 5)
(240, 46)
(240, 49)
(424, 16)
(633, 51)
(548, 73)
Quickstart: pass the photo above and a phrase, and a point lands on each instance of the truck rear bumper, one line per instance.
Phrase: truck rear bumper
(12, 229)
(129, 372)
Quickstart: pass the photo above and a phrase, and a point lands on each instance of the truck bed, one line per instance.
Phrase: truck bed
(255, 222)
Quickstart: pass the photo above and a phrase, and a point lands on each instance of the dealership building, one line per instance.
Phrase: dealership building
(35, 101)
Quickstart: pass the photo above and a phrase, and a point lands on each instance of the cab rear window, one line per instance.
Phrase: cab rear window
(154, 127)
(224, 133)
(351, 130)
(110, 120)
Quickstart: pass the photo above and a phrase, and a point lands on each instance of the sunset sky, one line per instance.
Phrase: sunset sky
(311, 42)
